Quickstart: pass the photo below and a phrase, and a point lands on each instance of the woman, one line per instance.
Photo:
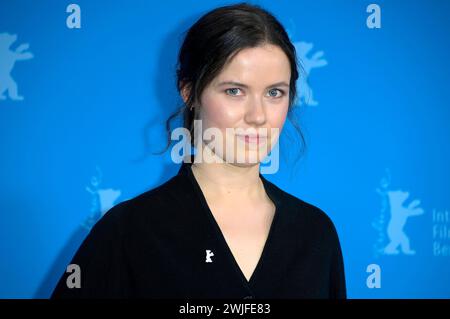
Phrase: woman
(219, 229)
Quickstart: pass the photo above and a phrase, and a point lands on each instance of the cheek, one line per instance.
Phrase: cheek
(216, 112)
(277, 116)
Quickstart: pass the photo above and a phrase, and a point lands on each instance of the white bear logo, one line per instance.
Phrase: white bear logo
(399, 216)
(305, 92)
(209, 254)
(8, 59)
(103, 199)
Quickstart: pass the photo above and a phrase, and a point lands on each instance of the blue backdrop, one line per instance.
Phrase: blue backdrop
(95, 83)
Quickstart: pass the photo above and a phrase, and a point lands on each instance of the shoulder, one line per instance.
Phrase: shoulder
(144, 208)
(304, 215)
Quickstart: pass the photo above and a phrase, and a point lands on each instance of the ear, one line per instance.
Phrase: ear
(185, 90)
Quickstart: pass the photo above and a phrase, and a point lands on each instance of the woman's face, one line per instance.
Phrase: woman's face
(250, 98)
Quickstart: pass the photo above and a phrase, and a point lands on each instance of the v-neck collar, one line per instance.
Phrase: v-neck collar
(186, 170)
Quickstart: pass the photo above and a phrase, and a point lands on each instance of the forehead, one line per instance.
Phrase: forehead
(257, 66)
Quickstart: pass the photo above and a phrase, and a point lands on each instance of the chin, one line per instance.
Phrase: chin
(251, 159)
(244, 164)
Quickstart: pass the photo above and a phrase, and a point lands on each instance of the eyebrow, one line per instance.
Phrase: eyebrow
(282, 83)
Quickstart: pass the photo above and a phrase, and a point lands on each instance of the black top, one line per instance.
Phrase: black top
(155, 246)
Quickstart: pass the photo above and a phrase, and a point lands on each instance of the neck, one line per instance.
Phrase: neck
(225, 180)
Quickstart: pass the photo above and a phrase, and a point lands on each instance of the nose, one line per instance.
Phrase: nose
(255, 113)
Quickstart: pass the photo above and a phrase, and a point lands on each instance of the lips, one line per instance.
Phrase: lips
(253, 139)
